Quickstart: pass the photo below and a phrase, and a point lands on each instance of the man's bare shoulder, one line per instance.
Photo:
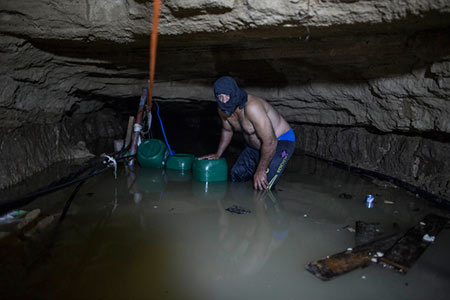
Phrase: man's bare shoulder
(255, 99)
(254, 107)
(256, 103)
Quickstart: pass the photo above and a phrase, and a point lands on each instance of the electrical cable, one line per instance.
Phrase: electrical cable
(69, 201)
(171, 152)
(59, 184)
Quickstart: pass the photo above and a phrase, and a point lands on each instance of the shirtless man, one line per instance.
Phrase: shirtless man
(269, 137)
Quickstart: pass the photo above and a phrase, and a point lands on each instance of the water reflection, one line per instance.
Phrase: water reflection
(209, 190)
(179, 175)
(246, 242)
(151, 180)
(178, 241)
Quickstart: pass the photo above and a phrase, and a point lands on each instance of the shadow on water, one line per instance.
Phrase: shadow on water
(160, 234)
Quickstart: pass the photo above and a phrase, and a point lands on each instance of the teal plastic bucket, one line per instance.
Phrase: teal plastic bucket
(180, 162)
(152, 153)
(210, 170)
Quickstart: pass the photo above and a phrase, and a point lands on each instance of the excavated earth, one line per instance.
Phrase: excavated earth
(362, 82)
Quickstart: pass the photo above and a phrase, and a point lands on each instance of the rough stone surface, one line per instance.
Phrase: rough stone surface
(422, 162)
(379, 66)
(122, 20)
(31, 148)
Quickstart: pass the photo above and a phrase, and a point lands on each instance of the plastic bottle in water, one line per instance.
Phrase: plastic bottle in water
(369, 201)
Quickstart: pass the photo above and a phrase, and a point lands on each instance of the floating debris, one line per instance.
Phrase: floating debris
(236, 209)
(410, 247)
(32, 215)
(12, 216)
(384, 184)
(366, 232)
(422, 223)
(398, 251)
(388, 202)
(40, 226)
(345, 196)
(369, 201)
(428, 238)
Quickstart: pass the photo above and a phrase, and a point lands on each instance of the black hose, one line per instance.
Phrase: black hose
(62, 183)
(24, 200)
(69, 201)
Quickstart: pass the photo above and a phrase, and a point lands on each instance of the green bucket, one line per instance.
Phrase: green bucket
(210, 170)
(180, 162)
(152, 153)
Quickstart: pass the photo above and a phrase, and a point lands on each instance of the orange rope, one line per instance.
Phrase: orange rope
(153, 43)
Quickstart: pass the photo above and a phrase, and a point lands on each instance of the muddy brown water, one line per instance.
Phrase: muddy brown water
(162, 235)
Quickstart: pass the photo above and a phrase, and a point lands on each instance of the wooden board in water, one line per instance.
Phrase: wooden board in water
(410, 247)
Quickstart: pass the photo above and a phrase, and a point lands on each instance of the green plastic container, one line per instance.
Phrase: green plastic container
(152, 153)
(180, 162)
(210, 170)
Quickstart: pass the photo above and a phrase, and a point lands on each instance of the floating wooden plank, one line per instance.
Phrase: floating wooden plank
(400, 251)
(366, 232)
(346, 261)
(410, 247)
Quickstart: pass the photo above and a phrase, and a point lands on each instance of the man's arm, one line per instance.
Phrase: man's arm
(225, 139)
(264, 130)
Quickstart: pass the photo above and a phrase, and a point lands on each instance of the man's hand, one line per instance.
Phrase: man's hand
(260, 180)
(210, 156)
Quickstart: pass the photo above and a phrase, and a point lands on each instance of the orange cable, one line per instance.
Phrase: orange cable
(153, 43)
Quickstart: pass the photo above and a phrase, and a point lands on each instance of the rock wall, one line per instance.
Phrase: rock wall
(43, 121)
(419, 161)
(31, 148)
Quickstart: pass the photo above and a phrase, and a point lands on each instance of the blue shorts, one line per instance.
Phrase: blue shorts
(245, 166)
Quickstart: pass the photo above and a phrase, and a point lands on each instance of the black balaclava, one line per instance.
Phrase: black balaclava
(238, 97)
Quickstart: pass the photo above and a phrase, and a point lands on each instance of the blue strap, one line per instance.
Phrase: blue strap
(288, 136)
